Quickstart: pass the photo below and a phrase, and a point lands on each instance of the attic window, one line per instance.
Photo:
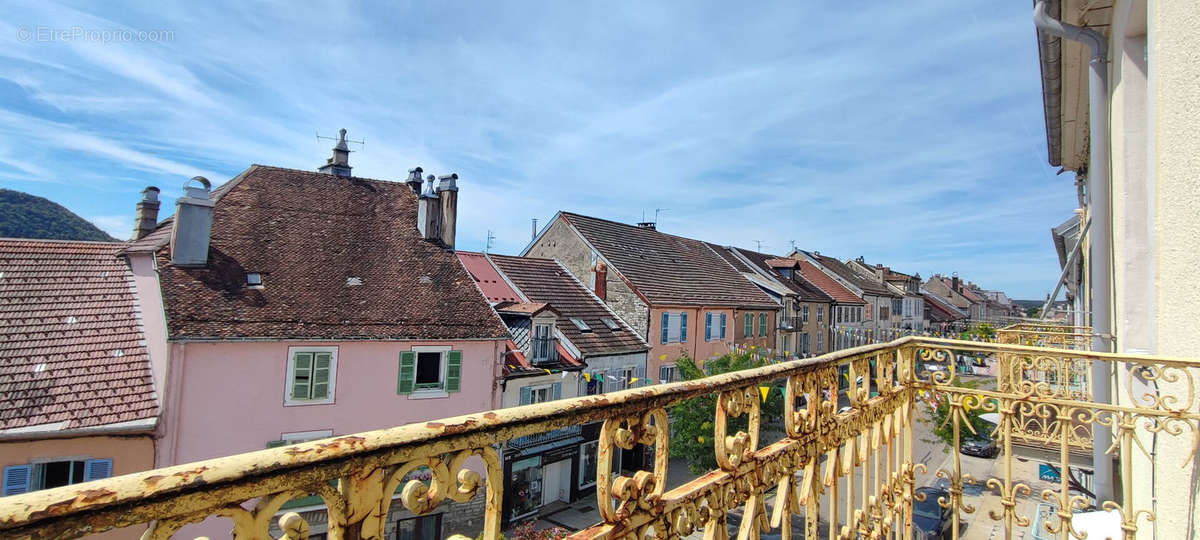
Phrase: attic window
(254, 280)
(582, 326)
(353, 281)
(611, 324)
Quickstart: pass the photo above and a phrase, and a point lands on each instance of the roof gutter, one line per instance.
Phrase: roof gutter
(144, 426)
(1100, 215)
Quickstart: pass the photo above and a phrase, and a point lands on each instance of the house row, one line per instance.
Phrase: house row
(286, 306)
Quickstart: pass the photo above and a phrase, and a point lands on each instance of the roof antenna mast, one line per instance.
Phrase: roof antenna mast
(362, 143)
(491, 241)
(656, 211)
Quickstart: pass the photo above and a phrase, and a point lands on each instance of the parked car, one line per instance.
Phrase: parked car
(979, 446)
(931, 520)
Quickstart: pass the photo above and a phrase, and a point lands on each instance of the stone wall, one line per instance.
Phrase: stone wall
(560, 242)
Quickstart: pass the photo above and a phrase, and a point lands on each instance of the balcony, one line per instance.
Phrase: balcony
(842, 466)
(543, 350)
(558, 436)
(789, 324)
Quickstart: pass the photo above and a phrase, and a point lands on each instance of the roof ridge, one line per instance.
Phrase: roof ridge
(289, 169)
(117, 243)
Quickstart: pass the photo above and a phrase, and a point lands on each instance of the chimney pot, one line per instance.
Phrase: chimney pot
(447, 194)
(429, 212)
(192, 230)
(145, 217)
(648, 225)
(414, 179)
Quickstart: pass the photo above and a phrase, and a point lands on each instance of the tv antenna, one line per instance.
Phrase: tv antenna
(342, 137)
(759, 243)
(491, 241)
(656, 211)
(793, 244)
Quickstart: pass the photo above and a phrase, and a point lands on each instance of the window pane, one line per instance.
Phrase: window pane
(56, 474)
(587, 463)
(429, 369)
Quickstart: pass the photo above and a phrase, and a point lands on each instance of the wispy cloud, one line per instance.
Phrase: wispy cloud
(907, 133)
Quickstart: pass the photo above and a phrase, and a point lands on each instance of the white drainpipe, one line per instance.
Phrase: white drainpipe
(1100, 245)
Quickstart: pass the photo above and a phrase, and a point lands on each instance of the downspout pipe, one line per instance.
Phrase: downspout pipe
(1100, 241)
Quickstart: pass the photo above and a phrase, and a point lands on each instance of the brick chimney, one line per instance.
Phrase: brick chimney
(193, 224)
(601, 278)
(414, 179)
(429, 212)
(956, 285)
(447, 193)
(145, 218)
(339, 164)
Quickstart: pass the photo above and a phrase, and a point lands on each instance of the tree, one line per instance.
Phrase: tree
(982, 330)
(692, 421)
(939, 409)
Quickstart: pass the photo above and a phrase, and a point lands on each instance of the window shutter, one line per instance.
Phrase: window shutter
(302, 375)
(666, 324)
(722, 326)
(683, 327)
(17, 479)
(320, 385)
(408, 372)
(95, 469)
(453, 371)
(708, 326)
(557, 392)
(640, 374)
(662, 374)
(526, 395)
(762, 324)
(748, 326)
(276, 443)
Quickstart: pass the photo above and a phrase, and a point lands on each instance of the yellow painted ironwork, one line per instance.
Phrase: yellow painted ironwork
(845, 457)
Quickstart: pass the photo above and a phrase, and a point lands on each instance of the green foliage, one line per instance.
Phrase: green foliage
(25, 216)
(944, 430)
(982, 330)
(692, 421)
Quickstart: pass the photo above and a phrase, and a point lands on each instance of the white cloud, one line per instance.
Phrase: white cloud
(116, 226)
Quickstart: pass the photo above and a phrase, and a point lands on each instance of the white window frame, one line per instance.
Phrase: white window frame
(430, 393)
(305, 436)
(533, 389)
(291, 371)
(627, 374)
(579, 480)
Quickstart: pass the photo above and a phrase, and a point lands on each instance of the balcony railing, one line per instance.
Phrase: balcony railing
(543, 350)
(558, 435)
(790, 323)
(844, 465)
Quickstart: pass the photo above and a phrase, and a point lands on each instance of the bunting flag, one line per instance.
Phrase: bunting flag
(548, 372)
(663, 357)
(600, 377)
(764, 390)
(587, 377)
(633, 380)
(564, 375)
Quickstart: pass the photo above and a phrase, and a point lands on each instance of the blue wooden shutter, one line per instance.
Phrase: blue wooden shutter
(453, 371)
(526, 395)
(722, 326)
(321, 367)
(666, 323)
(302, 375)
(708, 326)
(408, 372)
(683, 327)
(95, 469)
(17, 479)
(557, 391)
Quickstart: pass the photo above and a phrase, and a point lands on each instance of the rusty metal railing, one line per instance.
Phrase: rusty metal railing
(844, 465)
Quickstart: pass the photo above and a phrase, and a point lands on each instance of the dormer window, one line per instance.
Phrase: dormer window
(582, 326)
(611, 324)
(254, 280)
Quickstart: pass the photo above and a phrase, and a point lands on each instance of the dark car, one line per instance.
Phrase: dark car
(979, 447)
(931, 520)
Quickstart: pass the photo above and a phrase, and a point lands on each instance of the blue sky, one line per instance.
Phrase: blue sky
(910, 133)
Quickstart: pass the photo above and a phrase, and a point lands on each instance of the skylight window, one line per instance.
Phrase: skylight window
(582, 326)
(254, 280)
(611, 324)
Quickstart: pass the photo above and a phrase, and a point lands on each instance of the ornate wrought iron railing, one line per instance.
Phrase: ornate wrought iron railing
(844, 466)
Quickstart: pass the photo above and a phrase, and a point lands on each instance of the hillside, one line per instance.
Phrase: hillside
(27, 216)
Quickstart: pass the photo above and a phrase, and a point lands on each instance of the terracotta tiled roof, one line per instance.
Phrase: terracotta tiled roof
(72, 350)
(487, 278)
(802, 287)
(828, 285)
(524, 308)
(868, 286)
(940, 310)
(314, 237)
(544, 280)
(668, 269)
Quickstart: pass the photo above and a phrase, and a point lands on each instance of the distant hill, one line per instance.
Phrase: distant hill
(27, 216)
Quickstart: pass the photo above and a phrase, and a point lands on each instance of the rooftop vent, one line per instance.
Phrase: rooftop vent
(254, 280)
(353, 281)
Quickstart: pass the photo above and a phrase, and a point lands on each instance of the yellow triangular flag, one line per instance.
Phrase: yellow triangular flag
(587, 377)
(546, 370)
(633, 380)
(764, 390)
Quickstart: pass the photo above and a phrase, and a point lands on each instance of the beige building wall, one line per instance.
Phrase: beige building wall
(1155, 118)
(130, 454)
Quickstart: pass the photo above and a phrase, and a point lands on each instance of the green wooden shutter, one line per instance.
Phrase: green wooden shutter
(748, 326)
(302, 375)
(408, 372)
(453, 371)
(276, 443)
(321, 367)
